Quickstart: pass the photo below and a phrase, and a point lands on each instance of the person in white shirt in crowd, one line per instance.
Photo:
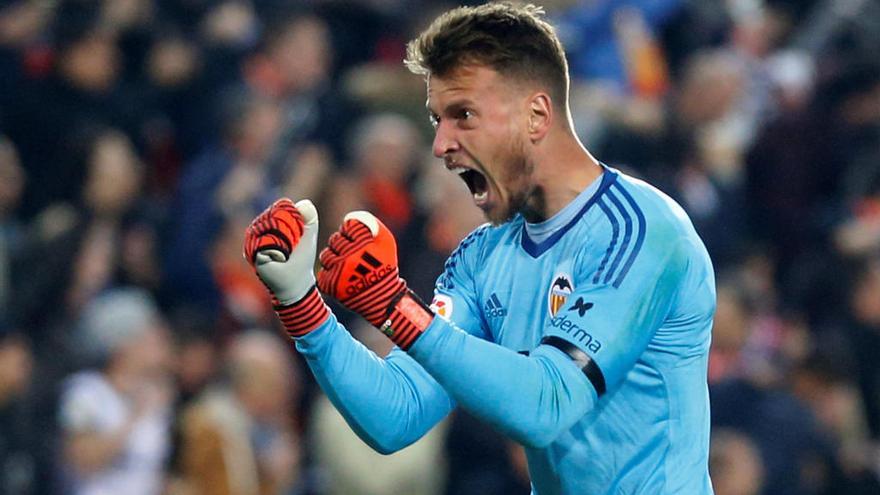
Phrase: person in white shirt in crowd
(115, 419)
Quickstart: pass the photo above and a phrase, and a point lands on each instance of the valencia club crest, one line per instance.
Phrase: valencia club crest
(560, 289)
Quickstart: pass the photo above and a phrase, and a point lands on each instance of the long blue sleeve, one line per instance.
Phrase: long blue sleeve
(390, 403)
(530, 398)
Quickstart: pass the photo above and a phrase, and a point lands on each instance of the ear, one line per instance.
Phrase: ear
(540, 115)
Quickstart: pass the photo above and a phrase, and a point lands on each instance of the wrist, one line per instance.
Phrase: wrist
(304, 315)
(408, 317)
(374, 305)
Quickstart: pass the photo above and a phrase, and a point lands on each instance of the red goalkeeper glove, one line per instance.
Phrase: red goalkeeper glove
(359, 269)
(280, 244)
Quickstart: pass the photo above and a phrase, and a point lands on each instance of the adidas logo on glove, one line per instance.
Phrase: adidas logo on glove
(368, 275)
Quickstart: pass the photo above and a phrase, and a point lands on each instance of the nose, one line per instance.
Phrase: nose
(445, 141)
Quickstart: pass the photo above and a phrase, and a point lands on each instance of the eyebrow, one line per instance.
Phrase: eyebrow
(452, 106)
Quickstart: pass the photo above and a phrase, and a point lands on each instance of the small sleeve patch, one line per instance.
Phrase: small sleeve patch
(442, 306)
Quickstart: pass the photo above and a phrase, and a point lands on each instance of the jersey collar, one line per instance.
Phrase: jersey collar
(536, 249)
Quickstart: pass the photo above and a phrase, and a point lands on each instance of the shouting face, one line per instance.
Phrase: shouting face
(481, 122)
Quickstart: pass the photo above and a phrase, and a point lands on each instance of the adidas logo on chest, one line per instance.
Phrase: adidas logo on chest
(493, 307)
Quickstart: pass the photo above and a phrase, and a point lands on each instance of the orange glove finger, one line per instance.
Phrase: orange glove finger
(327, 279)
(328, 258)
(332, 266)
(357, 234)
(290, 220)
(339, 244)
(279, 227)
(254, 237)
(268, 234)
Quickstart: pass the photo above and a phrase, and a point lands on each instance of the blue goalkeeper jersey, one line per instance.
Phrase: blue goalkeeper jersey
(626, 280)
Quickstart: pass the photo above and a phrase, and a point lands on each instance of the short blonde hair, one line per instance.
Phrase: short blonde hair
(513, 40)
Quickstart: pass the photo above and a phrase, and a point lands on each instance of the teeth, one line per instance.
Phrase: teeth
(481, 196)
(459, 170)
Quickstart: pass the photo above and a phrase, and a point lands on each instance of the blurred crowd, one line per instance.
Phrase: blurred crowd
(139, 354)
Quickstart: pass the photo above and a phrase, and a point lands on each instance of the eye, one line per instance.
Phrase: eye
(434, 119)
(465, 118)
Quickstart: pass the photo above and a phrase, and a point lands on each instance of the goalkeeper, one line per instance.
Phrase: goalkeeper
(577, 322)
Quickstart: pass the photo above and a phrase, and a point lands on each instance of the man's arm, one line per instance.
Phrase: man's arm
(390, 403)
(531, 398)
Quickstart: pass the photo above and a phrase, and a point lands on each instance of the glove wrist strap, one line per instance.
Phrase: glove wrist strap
(408, 317)
(304, 315)
(373, 304)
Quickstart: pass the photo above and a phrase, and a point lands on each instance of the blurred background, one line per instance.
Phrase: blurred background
(139, 354)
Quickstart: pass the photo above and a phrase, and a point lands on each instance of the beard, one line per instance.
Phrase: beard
(523, 196)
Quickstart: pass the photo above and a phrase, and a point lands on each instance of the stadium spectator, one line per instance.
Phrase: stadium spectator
(828, 386)
(598, 51)
(83, 90)
(115, 418)
(237, 438)
(227, 177)
(295, 66)
(735, 464)
(104, 238)
(385, 149)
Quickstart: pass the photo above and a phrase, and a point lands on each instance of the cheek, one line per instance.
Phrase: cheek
(515, 169)
(499, 149)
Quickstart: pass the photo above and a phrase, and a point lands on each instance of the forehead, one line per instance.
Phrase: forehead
(473, 82)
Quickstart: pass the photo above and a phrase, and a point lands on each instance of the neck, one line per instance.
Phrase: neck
(561, 174)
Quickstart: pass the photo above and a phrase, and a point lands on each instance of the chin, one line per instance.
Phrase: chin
(499, 216)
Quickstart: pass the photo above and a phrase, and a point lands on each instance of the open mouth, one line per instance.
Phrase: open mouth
(475, 181)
